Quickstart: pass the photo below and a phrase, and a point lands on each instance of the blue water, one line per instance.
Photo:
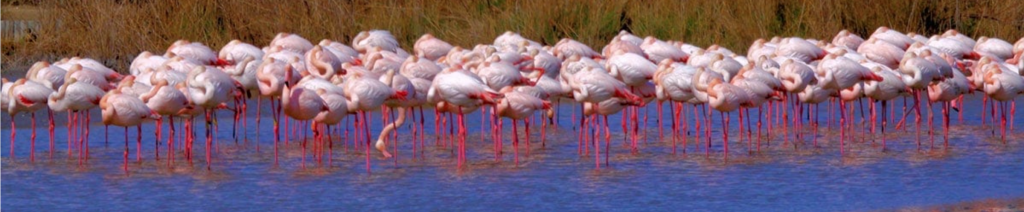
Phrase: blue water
(782, 176)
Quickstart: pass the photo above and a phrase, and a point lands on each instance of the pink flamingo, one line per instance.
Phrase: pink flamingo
(75, 97)
(125, 111)
(519, 105)
(28, 97)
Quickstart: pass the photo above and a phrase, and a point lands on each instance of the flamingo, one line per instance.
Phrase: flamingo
(125, 111)
(337, 110)
(1002, 86)
(881, 52)
(26, 96)
(300, 104)
(3, 97)
(893, 37)
(513, 41)
(498, 75)
(946, 91)
(75, 97)
(367, 40)
(52, 77)
(847, 39)
(323, 64)
(209, 89)
(459, 88)
(725, 98)
(800, 49)
(146, 61)
(631, 69)
(917, 73)
(519, 105)
(673, 83)
(430, 47)
(889, 88)
(995, 47)
(236, 51)
(291, 42)
(593, 86)
(400, 84)
(95, 78)
(91, 66)
(367, 94)
(194, 51)
(168, 101)
(344, 53)
(419, 67)
(566, 48)
(658, 50)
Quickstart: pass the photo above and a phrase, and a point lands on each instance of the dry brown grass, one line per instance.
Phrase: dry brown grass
(117, 30)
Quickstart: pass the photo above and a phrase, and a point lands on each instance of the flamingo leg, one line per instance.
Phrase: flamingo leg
(1002, 111)
(842, 127)
(170, 140)
(366, 131)
(277, 129)
(138, 143)
(126, 150)
(209, 139)
(725, 134)
(945, 124)
(884, 123)
(49, 114)
(259, 110)
(675, 127)
(14, 131)
(32, 147)
(607, 140)
(527, 125)
(71, 127)
(597, 150)
(159, 127)
(515, 139)
(661, 127)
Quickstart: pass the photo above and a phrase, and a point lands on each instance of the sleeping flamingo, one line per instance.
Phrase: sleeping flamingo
(26, 96)
(78, 98)
(125, 111)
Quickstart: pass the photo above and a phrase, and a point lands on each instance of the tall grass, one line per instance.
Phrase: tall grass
(117, 30)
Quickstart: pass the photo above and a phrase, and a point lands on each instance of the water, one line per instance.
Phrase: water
(976, 166)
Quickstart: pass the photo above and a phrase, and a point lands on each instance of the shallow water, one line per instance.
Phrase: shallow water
(782, 176)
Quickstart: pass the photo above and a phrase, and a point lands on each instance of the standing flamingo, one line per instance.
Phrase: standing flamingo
(460, 88)
(367, 94)
(209, 88)
(26, 96)
(75, 97)
(518, 105)
(125, 111)
(168, 101)
(889, 88)
(300, 104)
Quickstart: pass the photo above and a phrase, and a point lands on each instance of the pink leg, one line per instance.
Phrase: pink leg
(725, 134)
(32, 147)
(607, 140)
(366, 131)
(842, 127)
(527, 125)
(49, 114)
(126, 150)
(138, 143)
(661, 126)
(14, 132)
(515, 139)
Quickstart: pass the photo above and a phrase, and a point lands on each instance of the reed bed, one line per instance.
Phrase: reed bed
(115, 31)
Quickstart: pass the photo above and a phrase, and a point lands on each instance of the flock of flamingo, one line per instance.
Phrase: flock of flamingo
(318, 85)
